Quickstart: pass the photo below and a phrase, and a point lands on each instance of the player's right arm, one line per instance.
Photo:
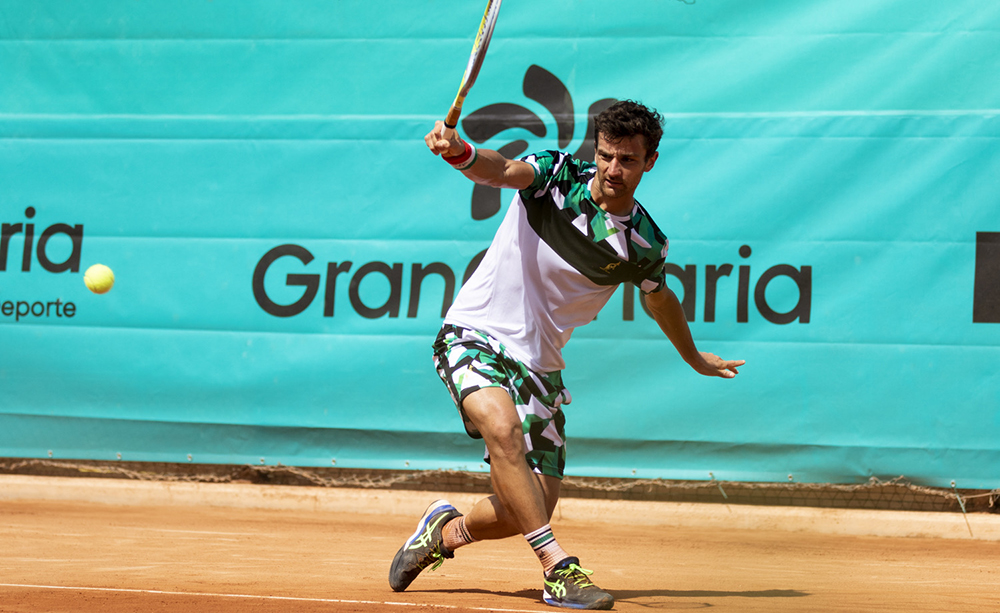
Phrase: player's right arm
(490, 168)
(669, 315)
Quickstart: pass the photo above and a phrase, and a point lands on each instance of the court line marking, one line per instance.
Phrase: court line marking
(288, 598)
(192, 531)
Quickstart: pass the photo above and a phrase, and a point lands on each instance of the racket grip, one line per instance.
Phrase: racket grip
(451, 119)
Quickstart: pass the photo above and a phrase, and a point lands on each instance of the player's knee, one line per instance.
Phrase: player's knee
(494, 415)
(506, 442)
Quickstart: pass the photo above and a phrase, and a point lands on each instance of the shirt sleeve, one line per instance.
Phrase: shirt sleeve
(657, 279)
(544, 164)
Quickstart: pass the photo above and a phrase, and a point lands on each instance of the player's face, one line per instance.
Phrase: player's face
(620, 165)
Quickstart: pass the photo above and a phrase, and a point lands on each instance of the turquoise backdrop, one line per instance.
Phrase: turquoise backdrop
(829, 180)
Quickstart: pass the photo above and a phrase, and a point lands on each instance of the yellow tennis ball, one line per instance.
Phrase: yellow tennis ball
(99, 279)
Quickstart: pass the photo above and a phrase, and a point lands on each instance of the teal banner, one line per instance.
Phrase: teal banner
(284, 246)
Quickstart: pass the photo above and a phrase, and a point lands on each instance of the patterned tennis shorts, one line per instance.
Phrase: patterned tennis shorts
(470, 360)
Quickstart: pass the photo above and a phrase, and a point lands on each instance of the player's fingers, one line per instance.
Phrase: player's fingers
(437, 147)
(727, 369)
(731, 368)
(432, 142)
(435, 139)
(449, 137)
(444, 137)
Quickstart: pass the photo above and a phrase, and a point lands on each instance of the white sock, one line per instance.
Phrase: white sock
(544, 543)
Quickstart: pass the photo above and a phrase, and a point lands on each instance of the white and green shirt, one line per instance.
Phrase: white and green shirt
(555, 262)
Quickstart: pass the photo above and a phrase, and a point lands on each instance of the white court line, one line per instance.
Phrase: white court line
(194, 531)
(289, 598)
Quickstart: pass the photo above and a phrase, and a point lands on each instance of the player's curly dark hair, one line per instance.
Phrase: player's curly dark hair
(625, 119)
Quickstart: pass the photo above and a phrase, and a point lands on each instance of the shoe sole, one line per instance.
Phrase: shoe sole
(599, 605)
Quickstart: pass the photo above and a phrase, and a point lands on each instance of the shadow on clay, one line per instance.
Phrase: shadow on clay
(628, 594)
(634, 595)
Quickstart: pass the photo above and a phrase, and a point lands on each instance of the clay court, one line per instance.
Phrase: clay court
(82, 545)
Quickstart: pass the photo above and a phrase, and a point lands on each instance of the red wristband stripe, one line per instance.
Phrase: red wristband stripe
(461, 157)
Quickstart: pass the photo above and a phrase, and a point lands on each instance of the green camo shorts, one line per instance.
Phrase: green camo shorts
(470, 360)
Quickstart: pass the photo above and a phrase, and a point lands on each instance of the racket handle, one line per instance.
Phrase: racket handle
(451, 119)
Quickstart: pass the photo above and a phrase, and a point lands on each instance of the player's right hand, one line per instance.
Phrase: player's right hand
(444, 141)
(713, 366)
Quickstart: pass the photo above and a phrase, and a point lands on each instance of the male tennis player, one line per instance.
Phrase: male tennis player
(572, 234)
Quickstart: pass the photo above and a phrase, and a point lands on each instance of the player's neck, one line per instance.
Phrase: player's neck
(620, 206)
(622, 209)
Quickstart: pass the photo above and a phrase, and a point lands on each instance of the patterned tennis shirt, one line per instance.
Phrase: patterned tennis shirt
(555, 262)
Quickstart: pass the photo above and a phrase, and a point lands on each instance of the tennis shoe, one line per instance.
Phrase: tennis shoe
(569, 586)
(425, 548)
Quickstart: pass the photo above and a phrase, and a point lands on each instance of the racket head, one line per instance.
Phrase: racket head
(479, 48)
(480, 45)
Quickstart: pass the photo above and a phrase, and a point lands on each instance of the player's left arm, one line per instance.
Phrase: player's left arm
(669, 315)
(489, 168)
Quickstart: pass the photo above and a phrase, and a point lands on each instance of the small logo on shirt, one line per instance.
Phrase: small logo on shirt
(610, 267)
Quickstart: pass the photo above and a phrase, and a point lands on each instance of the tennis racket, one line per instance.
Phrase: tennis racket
(479, 47)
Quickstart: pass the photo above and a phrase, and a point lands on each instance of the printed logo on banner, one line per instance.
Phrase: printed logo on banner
(986, 292)
(546, 89)
(480, 126)
(39, 249)
(394, 274)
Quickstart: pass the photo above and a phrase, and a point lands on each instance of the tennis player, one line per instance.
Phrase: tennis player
(572, 234)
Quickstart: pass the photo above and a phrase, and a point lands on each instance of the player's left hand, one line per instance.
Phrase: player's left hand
(713, 366)
(444, 141)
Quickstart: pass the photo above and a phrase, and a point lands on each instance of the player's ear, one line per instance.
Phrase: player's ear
(651, 160)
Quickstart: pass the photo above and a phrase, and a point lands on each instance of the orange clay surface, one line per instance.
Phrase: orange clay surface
(171, 554)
